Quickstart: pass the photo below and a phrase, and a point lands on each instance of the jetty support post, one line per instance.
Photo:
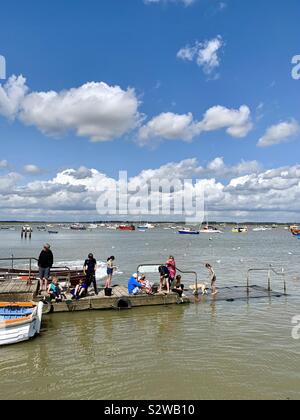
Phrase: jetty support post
(269, 281)
(284, 282)
(196, 285)
(30, 269)
(248, 282)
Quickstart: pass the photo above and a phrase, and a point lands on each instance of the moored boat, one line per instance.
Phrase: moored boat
(19, 321)
(188, 232)
(146, 226)
(78, 226)
(126, 227)
(210, 229)
(238, 229)
(295, 230)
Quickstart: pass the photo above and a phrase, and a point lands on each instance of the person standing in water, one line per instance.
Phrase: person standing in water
(213, 279)
(110, 271)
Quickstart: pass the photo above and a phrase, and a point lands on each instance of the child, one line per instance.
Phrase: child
(80, 290)
(110, 271)
(213, 279)
(177, 287)
(55, 291)
(147, 285)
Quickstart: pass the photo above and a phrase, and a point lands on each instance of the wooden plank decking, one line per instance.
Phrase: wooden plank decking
(17, 291)
(101, 302)
(20, 291)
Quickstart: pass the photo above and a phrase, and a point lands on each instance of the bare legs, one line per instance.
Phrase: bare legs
(108, 281)
(162, 281)
(43, 284)
(214, 289)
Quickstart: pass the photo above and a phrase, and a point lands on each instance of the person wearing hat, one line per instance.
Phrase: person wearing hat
(89, 270)
(45, 264)
(134, 287)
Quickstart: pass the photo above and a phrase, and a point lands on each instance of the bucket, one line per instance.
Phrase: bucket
(108, 292)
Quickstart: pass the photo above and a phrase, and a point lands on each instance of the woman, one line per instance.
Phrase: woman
(110, 271)
(171, 265)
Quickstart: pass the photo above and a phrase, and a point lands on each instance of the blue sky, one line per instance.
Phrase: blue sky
(61, 45)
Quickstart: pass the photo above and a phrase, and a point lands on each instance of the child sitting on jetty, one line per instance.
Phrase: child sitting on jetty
(80, 290)
(54, 291)
(147, 284)
(177, 286)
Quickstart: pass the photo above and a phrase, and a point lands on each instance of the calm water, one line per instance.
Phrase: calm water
(225, 350)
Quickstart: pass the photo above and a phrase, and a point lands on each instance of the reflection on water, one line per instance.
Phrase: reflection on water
(205, 350)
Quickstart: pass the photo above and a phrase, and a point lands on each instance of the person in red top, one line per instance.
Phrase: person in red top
(171, 265)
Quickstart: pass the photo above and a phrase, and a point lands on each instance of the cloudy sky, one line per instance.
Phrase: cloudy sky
(198, 89)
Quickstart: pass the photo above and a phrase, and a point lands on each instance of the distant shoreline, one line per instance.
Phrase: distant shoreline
(109, 222)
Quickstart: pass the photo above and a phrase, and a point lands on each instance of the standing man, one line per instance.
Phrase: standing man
(89, 270)
(45, 264)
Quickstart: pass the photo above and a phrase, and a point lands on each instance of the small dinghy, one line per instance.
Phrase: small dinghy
(19, 321)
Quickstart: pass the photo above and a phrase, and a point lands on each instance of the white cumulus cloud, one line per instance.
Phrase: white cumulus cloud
(205, 54)
(32, 169)
(170, 126)
(94, 110)
(241, 191)
(280, 133)
(3, 164)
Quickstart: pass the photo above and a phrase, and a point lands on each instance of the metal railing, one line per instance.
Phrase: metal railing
(268, 270)
(29, 261)
(193, 273)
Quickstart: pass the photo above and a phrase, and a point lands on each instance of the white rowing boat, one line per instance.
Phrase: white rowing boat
(19, 321)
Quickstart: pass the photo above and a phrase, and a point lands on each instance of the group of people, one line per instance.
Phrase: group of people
(51, 286)
(169, 280)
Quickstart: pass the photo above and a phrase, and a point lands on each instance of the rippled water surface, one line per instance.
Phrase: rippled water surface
(221, 350)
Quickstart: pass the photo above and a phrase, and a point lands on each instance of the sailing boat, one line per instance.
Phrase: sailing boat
(209, 229)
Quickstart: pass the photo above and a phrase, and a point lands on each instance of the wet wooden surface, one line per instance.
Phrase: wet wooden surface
(17, 291)
(102, 302)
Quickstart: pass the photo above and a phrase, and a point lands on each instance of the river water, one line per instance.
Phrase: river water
(237, 350)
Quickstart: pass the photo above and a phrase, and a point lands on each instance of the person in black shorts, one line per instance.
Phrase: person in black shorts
(89, 269)
(164, 278)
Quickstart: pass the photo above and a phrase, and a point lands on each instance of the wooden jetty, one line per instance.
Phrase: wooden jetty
(119, 300)
(20, 291)
(15, 290)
